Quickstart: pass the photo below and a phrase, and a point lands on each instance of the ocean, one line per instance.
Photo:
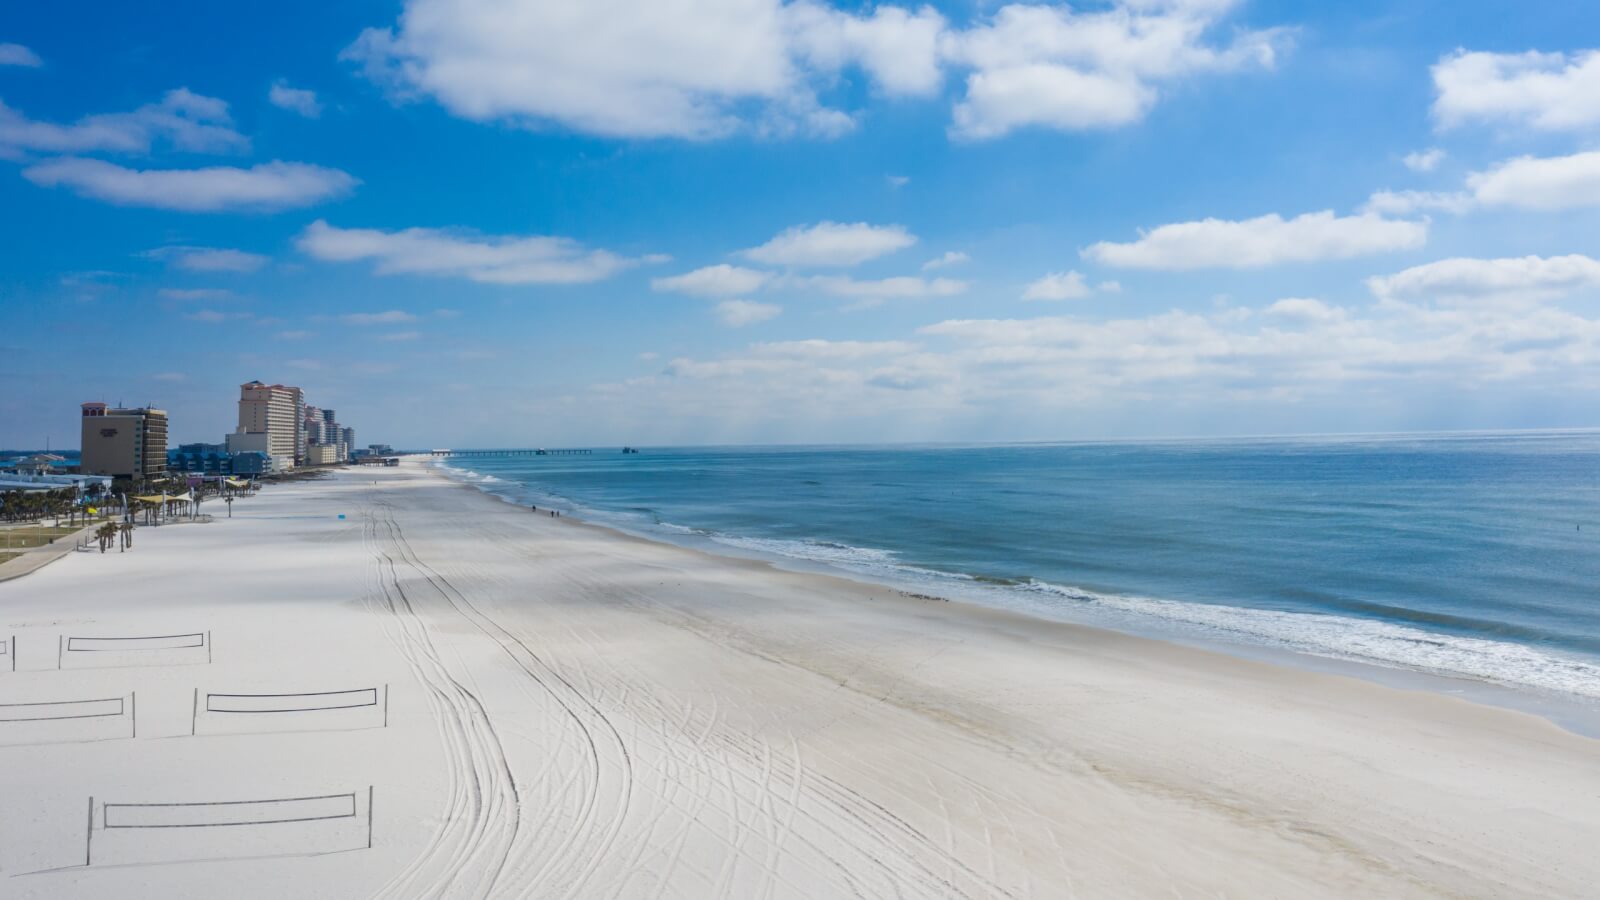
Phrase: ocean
(1473, 557)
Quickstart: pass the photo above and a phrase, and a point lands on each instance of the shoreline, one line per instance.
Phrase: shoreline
(1573, 712)
(570, 710)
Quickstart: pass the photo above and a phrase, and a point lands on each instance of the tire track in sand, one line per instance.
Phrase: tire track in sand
(563, 870)
(466, 856)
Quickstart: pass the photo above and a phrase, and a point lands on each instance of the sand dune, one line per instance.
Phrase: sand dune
(569, 712)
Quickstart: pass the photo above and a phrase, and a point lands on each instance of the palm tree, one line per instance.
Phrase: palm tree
(106, 533)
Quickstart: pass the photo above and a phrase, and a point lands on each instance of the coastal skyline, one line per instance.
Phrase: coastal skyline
(900, 223)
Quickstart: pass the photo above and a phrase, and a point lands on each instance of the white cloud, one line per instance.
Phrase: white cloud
(649, 68)
(1423, 160)
(208, 259)
(831, 244)
(1545, 91)
(270, 186)
(186, 294)
(897, 181)
(1262, 241)
(1003, 100)
(294, 335)
(896, 288)
(739, 313)
(215, 317)
(720, 280)
(1561, 182)
(1459, 280)
(1305, 310)
(703, 69)
(1050, 66)
(1404, 203)
(399, 336)
(187, 121)
(949, 258)
(814, 349)
(899, 49)
(1058, 286)
(387, 317)
(18, 55)
(296, 100)
(458, 254)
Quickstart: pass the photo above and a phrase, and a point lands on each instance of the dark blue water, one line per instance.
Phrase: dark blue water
(1462, 555)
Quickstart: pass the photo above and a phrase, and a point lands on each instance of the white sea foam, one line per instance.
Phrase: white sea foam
(1330, 636)
(1361, 640)
(1335, 637)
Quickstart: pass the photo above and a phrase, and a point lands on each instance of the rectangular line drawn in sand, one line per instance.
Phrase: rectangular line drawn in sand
(186, 831)
(234, 713)
(99, 652)
(68, 721)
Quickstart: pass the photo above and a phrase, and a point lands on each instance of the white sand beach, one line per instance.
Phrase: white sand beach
(509, 705)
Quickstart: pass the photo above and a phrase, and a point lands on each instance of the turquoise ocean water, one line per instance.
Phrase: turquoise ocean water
(1475, 557)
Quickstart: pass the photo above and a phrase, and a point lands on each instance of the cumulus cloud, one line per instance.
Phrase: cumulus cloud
(1459, 280)
(647, 68)
(1058, 286)
(296, 100)
(262, 188)
(831, 244)
(896, 288)
(897, 48)
(488, 259)
(1423, 160)
(945, 260)
(1304, 311)
(208, 259)
(739, 313)
(18, 55)
(1405, 203)
(714, 281)
(1297, 352)
(1545, 91)
(1526, 182)
(1051, 66)
(629, 68)
(1547, 183)
(1262, 241)
(187, 121)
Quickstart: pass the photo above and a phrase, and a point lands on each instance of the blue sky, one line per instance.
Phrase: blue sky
(475, 223)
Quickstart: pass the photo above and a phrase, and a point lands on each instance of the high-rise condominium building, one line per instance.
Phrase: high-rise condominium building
(314, 426)
(275, 410)
(123, 443)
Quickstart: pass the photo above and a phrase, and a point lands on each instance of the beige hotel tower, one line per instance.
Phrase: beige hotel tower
(274, 410)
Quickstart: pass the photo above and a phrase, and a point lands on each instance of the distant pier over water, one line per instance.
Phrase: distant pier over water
(539, 451)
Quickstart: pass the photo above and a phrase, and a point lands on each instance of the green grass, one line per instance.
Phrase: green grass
(32, 536)
(7, 557)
